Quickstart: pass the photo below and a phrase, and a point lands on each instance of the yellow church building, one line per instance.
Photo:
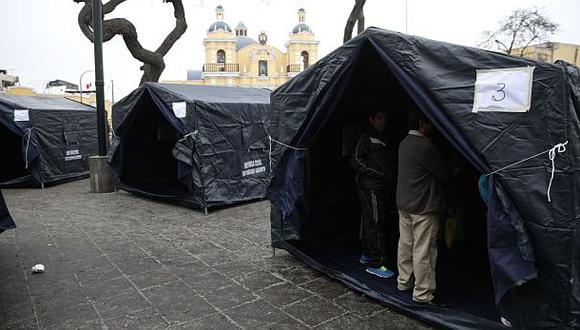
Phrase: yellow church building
(551, 52)
(234, 59)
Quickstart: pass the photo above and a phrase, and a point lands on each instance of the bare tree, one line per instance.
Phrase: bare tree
(356, 17)
(153, 64)
(519, 30)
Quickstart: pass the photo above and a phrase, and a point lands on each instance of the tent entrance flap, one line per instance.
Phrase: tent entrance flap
(12, 166)
(147, 162)
(329, 237)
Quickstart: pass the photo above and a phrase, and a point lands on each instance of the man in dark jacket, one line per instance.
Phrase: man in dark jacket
(420, 200)
(373, 162)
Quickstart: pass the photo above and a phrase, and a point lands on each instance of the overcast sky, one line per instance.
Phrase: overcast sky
(41, 40)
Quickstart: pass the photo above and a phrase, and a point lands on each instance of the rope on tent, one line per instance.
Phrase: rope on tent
(27, 146)
(560, 148)
(282, 144)
(190, 134)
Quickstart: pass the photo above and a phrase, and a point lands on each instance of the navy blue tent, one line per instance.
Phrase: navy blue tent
(45, 140)
(200, 146)
(6, 221)
(525, 271)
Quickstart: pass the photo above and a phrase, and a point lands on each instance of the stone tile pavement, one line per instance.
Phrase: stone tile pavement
(122, 261)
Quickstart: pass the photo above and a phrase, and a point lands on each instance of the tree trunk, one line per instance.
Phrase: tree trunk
(356, 15)
(361, 22)
(153, 64)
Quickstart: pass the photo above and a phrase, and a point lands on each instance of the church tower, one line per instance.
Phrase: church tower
(220, 48)
(302, 46)
(234, 58)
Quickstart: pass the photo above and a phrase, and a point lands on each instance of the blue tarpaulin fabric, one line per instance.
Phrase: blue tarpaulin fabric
(214, 153)
(533, 244)
(50, 144)
(6, 221)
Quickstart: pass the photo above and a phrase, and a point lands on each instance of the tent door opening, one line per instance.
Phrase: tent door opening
(148, 163)
(331, 233)
(12, 166)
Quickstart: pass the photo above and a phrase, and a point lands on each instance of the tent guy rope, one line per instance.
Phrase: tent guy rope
(560, 148)
(282, 144)
(27, 146)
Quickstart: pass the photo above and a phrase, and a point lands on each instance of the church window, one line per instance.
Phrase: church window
(304, 55)
(263, 68)
(221, 60)
(221, 56)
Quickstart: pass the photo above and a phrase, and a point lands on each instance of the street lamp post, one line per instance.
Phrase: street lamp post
(100, 171)
(99, 80)
(81, 83)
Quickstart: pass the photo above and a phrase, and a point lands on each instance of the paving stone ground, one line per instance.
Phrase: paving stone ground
(122, 261)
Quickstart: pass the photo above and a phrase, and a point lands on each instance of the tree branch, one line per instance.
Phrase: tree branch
(153, 64)
(360, 24)
(502, 44)
(520, 29)
(526, 46)
(177, 32)
(353, 18)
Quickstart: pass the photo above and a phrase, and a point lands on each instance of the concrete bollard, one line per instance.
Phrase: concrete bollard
(101, 176)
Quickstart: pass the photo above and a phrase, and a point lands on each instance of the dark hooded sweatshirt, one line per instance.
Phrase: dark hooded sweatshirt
(373, 161)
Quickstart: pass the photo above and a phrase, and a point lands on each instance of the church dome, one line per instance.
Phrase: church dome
(301, 27)
(219, 26)
(243, 41)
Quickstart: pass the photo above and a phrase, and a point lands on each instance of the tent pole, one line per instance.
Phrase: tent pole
(205, 210)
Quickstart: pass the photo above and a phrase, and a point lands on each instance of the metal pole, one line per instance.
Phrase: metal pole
(406, 17)
(81, 83)
(99, 82)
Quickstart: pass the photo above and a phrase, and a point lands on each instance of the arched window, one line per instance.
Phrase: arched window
(304, 55)
(221, 60)
(263, 68)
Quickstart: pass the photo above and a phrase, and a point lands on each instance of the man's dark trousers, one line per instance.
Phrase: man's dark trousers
(375, 214)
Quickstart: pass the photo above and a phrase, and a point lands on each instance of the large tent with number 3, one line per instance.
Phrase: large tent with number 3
(511, 121)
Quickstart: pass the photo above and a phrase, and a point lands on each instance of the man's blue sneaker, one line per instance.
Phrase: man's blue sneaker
(365, 260)
(381, 272)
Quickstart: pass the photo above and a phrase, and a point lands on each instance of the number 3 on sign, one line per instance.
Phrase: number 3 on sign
(500, 91)
(504, 90)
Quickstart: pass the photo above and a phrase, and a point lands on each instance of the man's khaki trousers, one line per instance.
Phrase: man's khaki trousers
(417, 254)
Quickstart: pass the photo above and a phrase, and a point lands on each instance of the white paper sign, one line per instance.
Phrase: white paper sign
(21, 115)
(179, 109)
(504, 90)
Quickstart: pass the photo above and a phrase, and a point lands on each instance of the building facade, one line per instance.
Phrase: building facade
(52, 90)
(234, 59)
(7, 80)
(552, 51)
